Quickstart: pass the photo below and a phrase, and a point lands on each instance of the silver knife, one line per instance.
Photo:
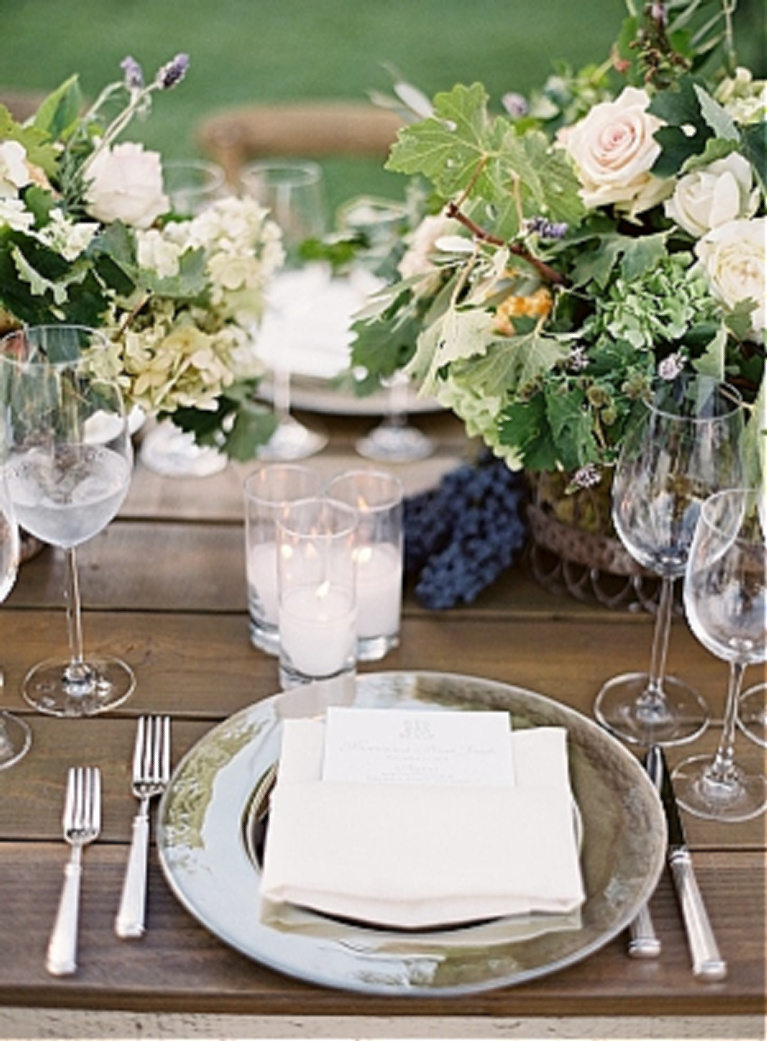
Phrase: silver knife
(707, 963)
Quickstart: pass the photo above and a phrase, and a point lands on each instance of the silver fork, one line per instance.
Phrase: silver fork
(151, 773)
(82, 824)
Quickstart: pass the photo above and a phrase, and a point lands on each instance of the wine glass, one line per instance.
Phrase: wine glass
(725, 598)
(293, 193)
(395, 439)
(752, 713)
(682, 448)
(15, 735)
(68, 464)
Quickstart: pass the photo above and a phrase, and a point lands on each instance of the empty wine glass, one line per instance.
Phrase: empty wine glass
(15, 735)
(68, 470)
(725, 597)
(683, 448)
(293, 193)
(395, 439)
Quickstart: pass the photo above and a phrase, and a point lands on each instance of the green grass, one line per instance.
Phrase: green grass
(258, 50)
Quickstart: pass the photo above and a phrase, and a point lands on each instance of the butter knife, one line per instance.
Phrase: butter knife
(707, 963)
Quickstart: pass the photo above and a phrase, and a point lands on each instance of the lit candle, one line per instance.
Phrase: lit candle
(317, 629)
(379, 590)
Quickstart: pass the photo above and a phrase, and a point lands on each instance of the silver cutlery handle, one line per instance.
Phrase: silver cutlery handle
(62, 947)
(129, 923)
(644, 942)
(707, 963)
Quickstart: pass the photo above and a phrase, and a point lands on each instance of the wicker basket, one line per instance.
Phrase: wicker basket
(573, 548)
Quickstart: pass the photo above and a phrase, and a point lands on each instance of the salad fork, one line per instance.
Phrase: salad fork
(151, 773)
(81, 823)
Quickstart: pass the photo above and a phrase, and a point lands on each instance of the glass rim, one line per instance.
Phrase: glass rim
(302, 171)
(93, 332)
(746, 493)
(250, 491)
(392, 501)
(729, 393)
(283, 519)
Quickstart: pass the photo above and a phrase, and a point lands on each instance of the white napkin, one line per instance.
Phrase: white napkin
(307, 325)
(414, 856)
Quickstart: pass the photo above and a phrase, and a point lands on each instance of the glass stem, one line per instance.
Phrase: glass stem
(654, 692)
(722, 768)
(76, 669)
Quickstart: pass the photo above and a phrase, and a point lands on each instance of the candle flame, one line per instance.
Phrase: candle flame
(363, 554)
(322, 589)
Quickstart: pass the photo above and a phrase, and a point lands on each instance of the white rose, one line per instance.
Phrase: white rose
(732, 256)
(713, 195)
(15, 215)
(14, 173)
(126, 184)
(614, 150)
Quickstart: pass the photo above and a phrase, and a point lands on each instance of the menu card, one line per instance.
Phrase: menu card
(400, 746)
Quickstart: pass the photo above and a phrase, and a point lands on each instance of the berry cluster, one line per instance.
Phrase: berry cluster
(461, 535)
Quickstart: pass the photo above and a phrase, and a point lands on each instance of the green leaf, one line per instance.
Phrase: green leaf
(513, 366)
(450, 146)
(711, 362)
(754, 145)
(457, 334)
(525, 427)
(720, 121)
(59, 113)
(571, 426)
(38, 147)
(687, 131)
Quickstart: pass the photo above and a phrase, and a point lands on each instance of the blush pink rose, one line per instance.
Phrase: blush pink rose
(613, 149)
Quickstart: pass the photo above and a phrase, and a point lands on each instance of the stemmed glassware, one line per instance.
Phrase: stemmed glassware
(395, 439)
(683, 448)
(68, 464)
(15, 736)
(752, 713)
(725, 597)
(293, 193)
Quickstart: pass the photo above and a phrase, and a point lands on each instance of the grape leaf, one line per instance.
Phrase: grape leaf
(450, 146)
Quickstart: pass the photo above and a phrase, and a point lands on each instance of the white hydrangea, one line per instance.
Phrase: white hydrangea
(156, 251)
(65, 236)
(15, 215)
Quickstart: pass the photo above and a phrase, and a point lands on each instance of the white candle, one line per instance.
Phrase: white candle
(317, 629)
(262, 580)
(379, 590)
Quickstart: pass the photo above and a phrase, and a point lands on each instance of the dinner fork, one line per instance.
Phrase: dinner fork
(151, 773)
(81, 823)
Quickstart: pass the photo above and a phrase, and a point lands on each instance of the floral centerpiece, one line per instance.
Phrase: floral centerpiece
(88, 236)
(608, 230)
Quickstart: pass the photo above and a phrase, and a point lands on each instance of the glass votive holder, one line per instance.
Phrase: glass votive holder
(266, 491)
(316, 591)
(377, 497)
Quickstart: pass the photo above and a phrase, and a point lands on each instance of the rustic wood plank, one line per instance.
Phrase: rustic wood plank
(180, 966)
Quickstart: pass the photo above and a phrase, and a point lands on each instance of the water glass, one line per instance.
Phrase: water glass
(316, 590)
(266, 491)
(377, 497)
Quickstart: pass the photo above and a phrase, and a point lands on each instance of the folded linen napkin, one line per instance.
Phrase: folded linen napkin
(418, 856)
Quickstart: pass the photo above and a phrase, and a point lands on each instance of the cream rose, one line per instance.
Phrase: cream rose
(613, 149)
(732, 255)
(713, 195)
(126, 184)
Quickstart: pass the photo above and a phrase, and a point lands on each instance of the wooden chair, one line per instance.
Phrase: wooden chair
(309, 129)
(20, 103)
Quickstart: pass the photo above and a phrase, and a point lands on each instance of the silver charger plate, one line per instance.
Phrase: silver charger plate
(206, 848)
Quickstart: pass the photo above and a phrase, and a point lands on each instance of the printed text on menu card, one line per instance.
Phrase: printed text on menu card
(399, 746)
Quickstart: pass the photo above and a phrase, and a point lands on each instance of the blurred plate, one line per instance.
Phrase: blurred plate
(205, 846)
(316, 395)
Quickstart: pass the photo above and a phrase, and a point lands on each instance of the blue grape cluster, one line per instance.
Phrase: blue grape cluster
(460, 536)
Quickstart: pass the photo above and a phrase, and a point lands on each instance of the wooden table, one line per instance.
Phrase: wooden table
(164, 587)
